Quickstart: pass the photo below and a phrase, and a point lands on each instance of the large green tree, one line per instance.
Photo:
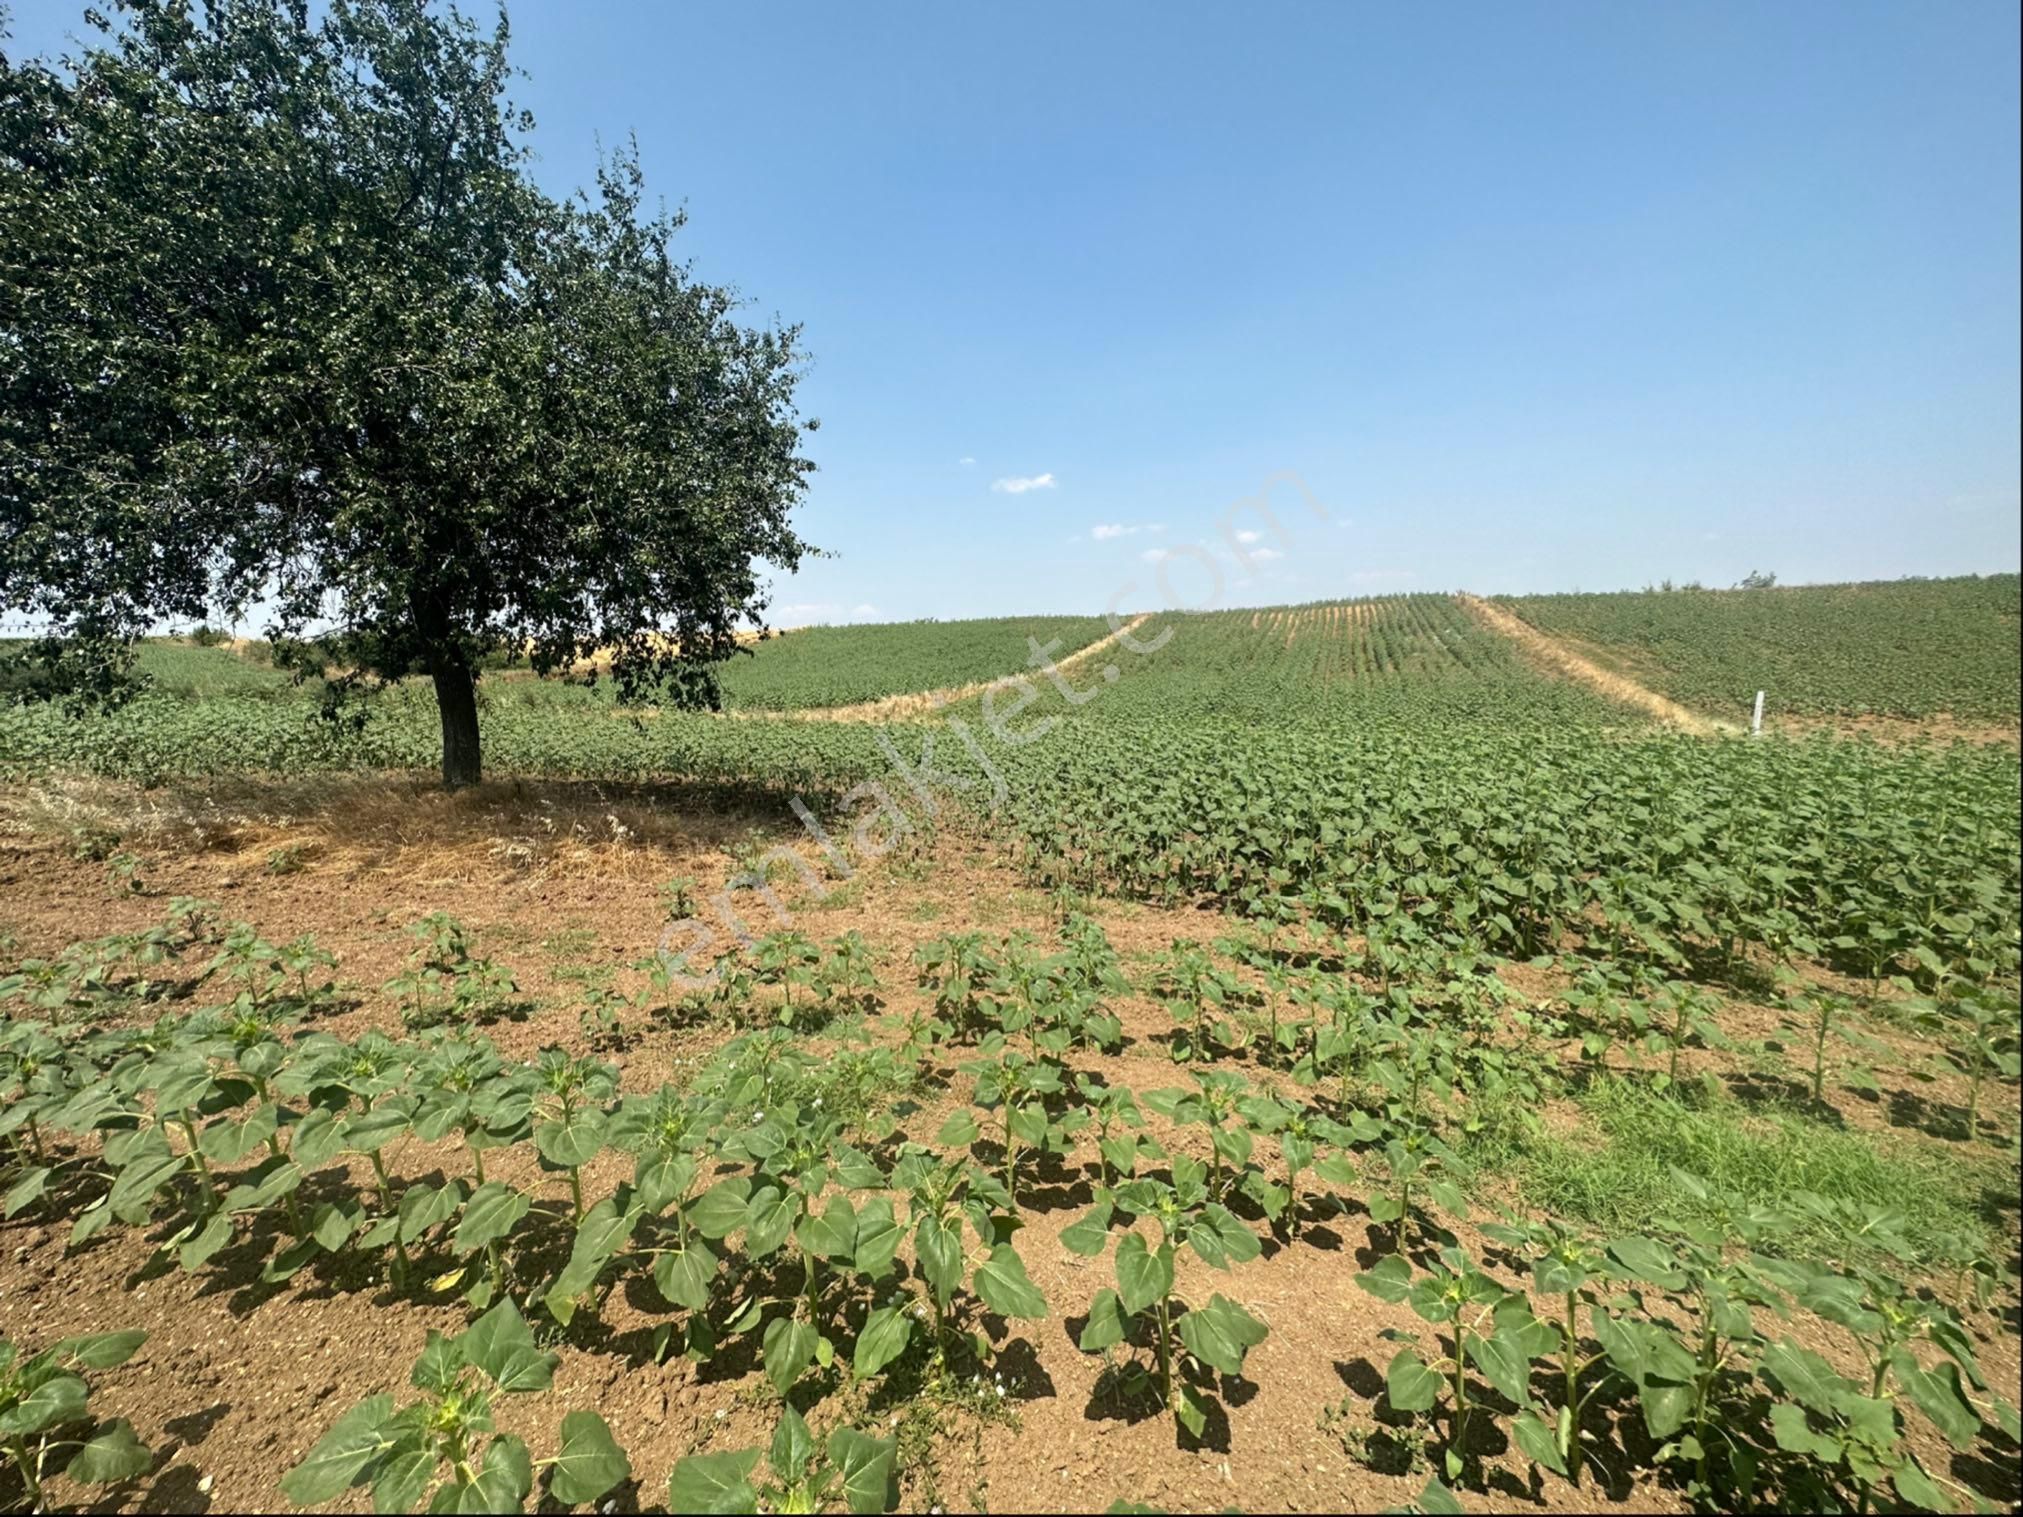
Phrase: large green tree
(285, 322)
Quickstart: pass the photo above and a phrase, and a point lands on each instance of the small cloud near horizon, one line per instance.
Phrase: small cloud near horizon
(1103, 532)
(807, 613)
(1018, 484)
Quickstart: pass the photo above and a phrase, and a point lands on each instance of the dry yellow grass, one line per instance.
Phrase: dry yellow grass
(405, 826)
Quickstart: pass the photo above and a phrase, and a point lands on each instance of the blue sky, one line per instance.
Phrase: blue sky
(1529, 298)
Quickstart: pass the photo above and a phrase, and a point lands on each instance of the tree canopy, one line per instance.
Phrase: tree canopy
(286, 322)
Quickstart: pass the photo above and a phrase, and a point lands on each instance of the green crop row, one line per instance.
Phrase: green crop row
(776, 1201)
(1908, 648)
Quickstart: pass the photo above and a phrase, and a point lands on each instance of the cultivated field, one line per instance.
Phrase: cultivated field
(1324, 1057)
(1911, 648)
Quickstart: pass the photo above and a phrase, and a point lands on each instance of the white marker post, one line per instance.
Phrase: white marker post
(1756, 721)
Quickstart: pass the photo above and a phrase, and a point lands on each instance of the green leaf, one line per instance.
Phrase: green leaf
(341, 1455)
(1794, 1433)
(661, 1181)
(1537, 1441)
(370, 1131)
(865, 1464)
(1409, 1385)
(1919, 1489)
(114, 1454)
(938, 1248)
(684, 1275)
(832, 1234)
(1502, 1361)
(214, 1235)
(603, 1231)
(1804, 1375)
(1220, 1334)
(435, 1368)
(52, 1403)
(1088, 1234)
(721, 1210)
(1143, 1276)
(1106, 1325)
(503, 1481)
(590, 1461)
(1006, 1288)
(792, 1447)
(959, 1131)
(789, 1349)
(768, 1219)
(425, 1206)
(500, 1344)
(332, 1224)
(1942, 1396)
(226, 1142)
(25, 1191)
(1220, 1238)
(1646, 1260)
(493, 1211)
(714, 1483)
(100, 1351)
(878, 1237)
(402, 1475)
(1390, 1279)
(883, 1340)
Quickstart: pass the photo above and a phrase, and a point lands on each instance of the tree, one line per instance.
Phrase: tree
(1758, 579)
(284, 321)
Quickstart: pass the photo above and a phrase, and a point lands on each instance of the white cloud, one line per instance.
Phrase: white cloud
(1154, 555)
(1265, 555)
(811, 612)
(1104, 531)
(965, 461)
(1248, 537)
(1018, 484)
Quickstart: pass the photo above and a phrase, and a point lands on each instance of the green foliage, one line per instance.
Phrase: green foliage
(443, 1452)
(445, 982)
(850, 1471)
(1905, 648)
(842, 666)
(46, 1426)
(1191, 1344)
(382, 369)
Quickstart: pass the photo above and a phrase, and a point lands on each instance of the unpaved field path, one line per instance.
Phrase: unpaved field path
(1550, 651)
(925, 702)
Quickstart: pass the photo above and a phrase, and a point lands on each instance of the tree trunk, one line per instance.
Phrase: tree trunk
(457, 700)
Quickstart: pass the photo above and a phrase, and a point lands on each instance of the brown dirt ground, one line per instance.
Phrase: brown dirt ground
(237, 1379)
